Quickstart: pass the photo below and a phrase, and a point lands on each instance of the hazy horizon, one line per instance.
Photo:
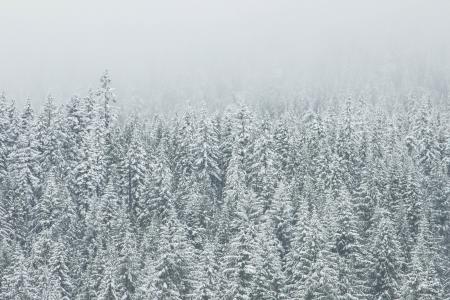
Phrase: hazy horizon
(213, 50)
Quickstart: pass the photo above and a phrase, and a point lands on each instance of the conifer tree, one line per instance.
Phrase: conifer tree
(134, 170)
(127, 269)
(386, 273)
(207, 275)
(281, 218)
(158, 198)
(169, 273)
(108, 288)
(261, 170)
(17, 284)
(309, 261)
(54, 210)
(63, 285)
(269, 277)
(50, 137)
(198, 214)
(4, 126)
(206, 156)
(422, 280)
(24, 174)
(239, 261)
(282, 149)
(75, 127)
(427, 151)
(180, 154)
(348, 248)
(242, 132)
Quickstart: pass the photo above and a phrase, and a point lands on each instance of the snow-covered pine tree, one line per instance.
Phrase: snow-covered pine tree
(365, 205)
(346, 145)
(58, 264)
(127, 266)
(261, 172)
(158, 199)
(17, 284)
(234, 191)
(179, 153)
(207, 276)
(422, 280)
(86, 176)
(427, 149)
(309, 269)
(282, 149)
(386, 274)
(243, 136)
(348, 246)
(4, 126)
(75, 127)
(24, 174)
(168, 274)
(198, 214)
(239, 265)
(108, 286)
(206, 156)
(281, 216)
(133, 169)
(54, 210)
(50, 137)
(269, 276)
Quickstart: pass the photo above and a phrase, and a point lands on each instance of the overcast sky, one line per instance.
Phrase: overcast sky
(62, 47)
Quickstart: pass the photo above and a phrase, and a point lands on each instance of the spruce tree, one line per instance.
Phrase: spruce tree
(17, 284)
(422, 280)
(207, 274)
(269, 277)
(169, 273)
(239, 261)
(386, 272)
(59, 269)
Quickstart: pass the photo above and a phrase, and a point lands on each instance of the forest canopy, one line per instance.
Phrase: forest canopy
(348, 200)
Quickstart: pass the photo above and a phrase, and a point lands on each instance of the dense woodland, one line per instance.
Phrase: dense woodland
(344, 201)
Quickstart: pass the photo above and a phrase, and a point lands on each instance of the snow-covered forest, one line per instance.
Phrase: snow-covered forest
(345, 201)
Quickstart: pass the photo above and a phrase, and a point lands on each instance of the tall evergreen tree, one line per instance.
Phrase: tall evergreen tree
(386, 272)
(134, 169)
(239, 261)
(17, 284)
(63, 286)
(422, 280)
(169, 273)
(269, 277)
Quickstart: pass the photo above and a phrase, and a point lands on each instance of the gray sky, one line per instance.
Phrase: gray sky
(194, 48)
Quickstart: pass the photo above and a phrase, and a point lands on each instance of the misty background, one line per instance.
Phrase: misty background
(166, 53)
